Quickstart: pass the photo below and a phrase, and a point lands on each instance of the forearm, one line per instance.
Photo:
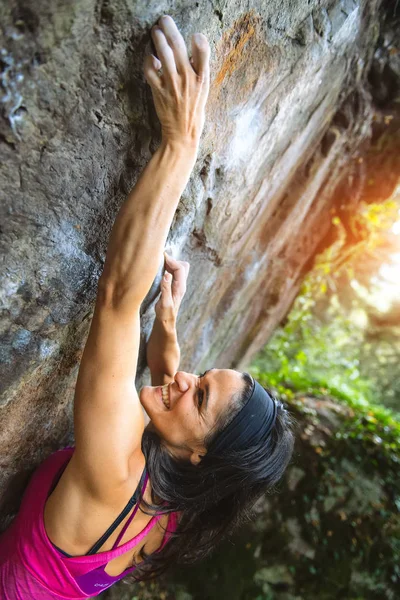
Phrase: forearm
(162, 351)
(141, 228)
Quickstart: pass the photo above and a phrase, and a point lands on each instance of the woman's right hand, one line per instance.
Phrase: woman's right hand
(180, 92)
(173, 289)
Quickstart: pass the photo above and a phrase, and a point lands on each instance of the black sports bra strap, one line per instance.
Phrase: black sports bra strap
(120, 517)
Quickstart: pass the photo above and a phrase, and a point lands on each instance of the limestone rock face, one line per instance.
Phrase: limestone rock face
(288, 111)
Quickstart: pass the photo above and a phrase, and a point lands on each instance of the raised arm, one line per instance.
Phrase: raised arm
(141, 228)
(108, 417)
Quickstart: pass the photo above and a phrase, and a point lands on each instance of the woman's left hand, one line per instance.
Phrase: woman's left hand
(173, 289)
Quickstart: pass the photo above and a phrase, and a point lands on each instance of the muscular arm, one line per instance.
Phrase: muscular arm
(107, 414)
(140, 231)
(141, 228)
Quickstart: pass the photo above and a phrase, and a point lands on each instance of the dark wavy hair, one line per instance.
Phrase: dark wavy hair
(215, 496)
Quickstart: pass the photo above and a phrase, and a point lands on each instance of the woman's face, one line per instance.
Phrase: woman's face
(195, 403)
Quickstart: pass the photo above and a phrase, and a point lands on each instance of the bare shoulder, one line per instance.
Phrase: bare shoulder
(75, 515)
(110, 487)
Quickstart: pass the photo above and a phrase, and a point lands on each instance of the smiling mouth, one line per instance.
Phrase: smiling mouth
(165, 395)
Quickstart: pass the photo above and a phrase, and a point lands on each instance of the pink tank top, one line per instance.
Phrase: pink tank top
(31, 567)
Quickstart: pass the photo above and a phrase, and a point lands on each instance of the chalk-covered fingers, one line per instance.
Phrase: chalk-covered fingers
(164, 52)
(176, 42)
(151, 66)
(180, 93)
(200, 60)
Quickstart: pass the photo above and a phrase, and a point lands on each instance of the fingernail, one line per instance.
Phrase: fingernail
(167, 276)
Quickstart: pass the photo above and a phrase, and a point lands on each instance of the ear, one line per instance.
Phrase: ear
(197, 455)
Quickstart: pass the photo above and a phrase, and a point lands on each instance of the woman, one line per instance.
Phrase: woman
(214, 442)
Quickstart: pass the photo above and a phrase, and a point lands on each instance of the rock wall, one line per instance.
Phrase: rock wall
(288, 111)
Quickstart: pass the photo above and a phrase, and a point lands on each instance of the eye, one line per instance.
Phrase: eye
(200, 396)
(200, 399)
(200, 393)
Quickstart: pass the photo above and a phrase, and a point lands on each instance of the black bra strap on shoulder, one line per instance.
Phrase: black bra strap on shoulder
(120, 517)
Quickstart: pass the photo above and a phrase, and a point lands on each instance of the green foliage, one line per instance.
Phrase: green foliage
(318, 359)
(320, 352)
(308, 356)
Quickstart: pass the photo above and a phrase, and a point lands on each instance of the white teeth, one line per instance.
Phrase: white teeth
(165, 396)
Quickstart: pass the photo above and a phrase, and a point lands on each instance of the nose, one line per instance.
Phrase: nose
(184, 380)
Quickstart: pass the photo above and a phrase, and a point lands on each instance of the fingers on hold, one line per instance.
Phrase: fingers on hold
(201, 47)
(201, 56)
(156, 63)
(164, 51)
(171, 259)
(201, 42)
(150, 67)
(174, 38)
(176, 264)
(167, 278)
